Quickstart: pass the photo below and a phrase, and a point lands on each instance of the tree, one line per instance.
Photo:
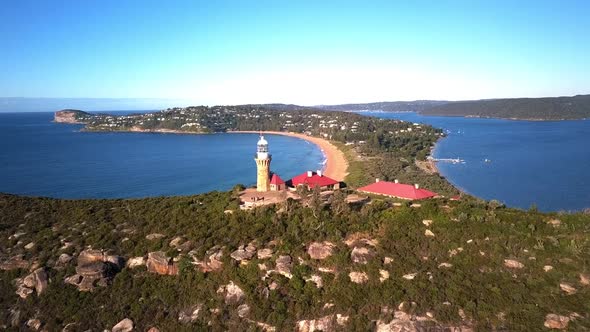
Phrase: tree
(339, 205)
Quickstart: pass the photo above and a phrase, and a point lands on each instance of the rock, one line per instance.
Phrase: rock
(212, 260)
(190, 315)
(383, 275)
(30, 245)
(243, 310)
(320, 250)
(176, 242)
(64, 259)
(116, 261)
(233, 294)
(135, 262)
(513, 264)
(404, 322)
(23, 291)
(445, 265)
(13, 263)
(361, 255)
(428, 233)
(283, 265)
(554, 222)
(153, 329)
(567, 288)
(264, 253)
(154, 236)
(90, 256)
(387, 260)
(427, 222)
(410, 276)
(547, 268)
(553, 321)
(316, 279)
(35, 281)
(454, 252)
(358, 277)
(320, 324)
(34, 324)
(16, 235)
(159, 263)
(242, 254)
(126, 325)
(584, 279)
(360, 239)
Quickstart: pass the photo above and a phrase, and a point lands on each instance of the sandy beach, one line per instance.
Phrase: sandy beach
(336, 165)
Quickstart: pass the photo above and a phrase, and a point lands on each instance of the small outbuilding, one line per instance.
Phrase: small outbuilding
(276, 183)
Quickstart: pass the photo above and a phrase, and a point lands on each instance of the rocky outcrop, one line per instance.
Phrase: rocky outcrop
(126, 325)
(513, 264)
(159, 263)
(358, 277)
(264, 253)
(232, 293)
(283, 265)
(316, 279)
(553, 321)
(567, 288)
(34, 282)
(69, 116)
(360, 239)
(326, 324)
(190, 314)
(212, 260)
(404, 322)
(13, 263)
(361, 255)
(154, 236)
(95, 268)
(134, 262)
(320, 250)
(244, 253)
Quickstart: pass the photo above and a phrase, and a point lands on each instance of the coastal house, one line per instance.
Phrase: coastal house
(312, 179)
(397, 190)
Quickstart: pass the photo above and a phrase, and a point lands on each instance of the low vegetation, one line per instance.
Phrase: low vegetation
(468, 264)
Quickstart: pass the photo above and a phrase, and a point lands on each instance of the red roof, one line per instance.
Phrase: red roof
(400, 190)
(276, 180)
(313, 180)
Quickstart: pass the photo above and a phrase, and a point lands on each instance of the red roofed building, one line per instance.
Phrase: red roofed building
(276, 183)
(315, 179)
(397, 190)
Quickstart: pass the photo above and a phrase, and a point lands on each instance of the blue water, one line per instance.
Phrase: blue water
(41, 158)
(546, 164)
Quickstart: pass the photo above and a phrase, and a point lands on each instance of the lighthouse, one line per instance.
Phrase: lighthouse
(262, 159)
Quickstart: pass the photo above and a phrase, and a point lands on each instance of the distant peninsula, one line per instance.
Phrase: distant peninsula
(536, 109)
(374, 148)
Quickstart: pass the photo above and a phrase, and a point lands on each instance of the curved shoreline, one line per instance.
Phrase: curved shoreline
(336, 165)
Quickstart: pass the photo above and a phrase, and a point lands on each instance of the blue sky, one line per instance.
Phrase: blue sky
(302, 52)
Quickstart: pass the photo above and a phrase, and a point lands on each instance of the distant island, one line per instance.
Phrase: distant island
(538, 109)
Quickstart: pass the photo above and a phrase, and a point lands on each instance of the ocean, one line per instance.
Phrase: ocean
(42, 158)
(524, 164)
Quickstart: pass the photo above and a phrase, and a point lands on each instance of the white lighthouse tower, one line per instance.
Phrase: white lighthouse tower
(262, 159)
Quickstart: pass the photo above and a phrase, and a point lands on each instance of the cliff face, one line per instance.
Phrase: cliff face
(69, 116)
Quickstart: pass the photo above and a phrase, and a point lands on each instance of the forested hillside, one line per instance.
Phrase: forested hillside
(559, 108)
